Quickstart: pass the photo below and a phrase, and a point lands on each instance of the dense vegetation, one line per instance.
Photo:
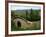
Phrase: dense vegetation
(30, 15)
(33, 16)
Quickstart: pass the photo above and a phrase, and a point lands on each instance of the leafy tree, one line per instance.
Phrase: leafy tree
(34, 15)
(26, 14)
(31, 14)
(12, 14)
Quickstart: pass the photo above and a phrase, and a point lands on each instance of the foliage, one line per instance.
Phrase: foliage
(34, 15)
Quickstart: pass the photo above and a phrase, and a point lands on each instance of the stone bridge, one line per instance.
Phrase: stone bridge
(24, 23)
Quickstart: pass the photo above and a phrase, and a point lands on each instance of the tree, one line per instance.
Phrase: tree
(34, 15)
(12, 14)
(31, 14)
(26, 15)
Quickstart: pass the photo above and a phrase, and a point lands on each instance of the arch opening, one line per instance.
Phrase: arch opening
(18, 24)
